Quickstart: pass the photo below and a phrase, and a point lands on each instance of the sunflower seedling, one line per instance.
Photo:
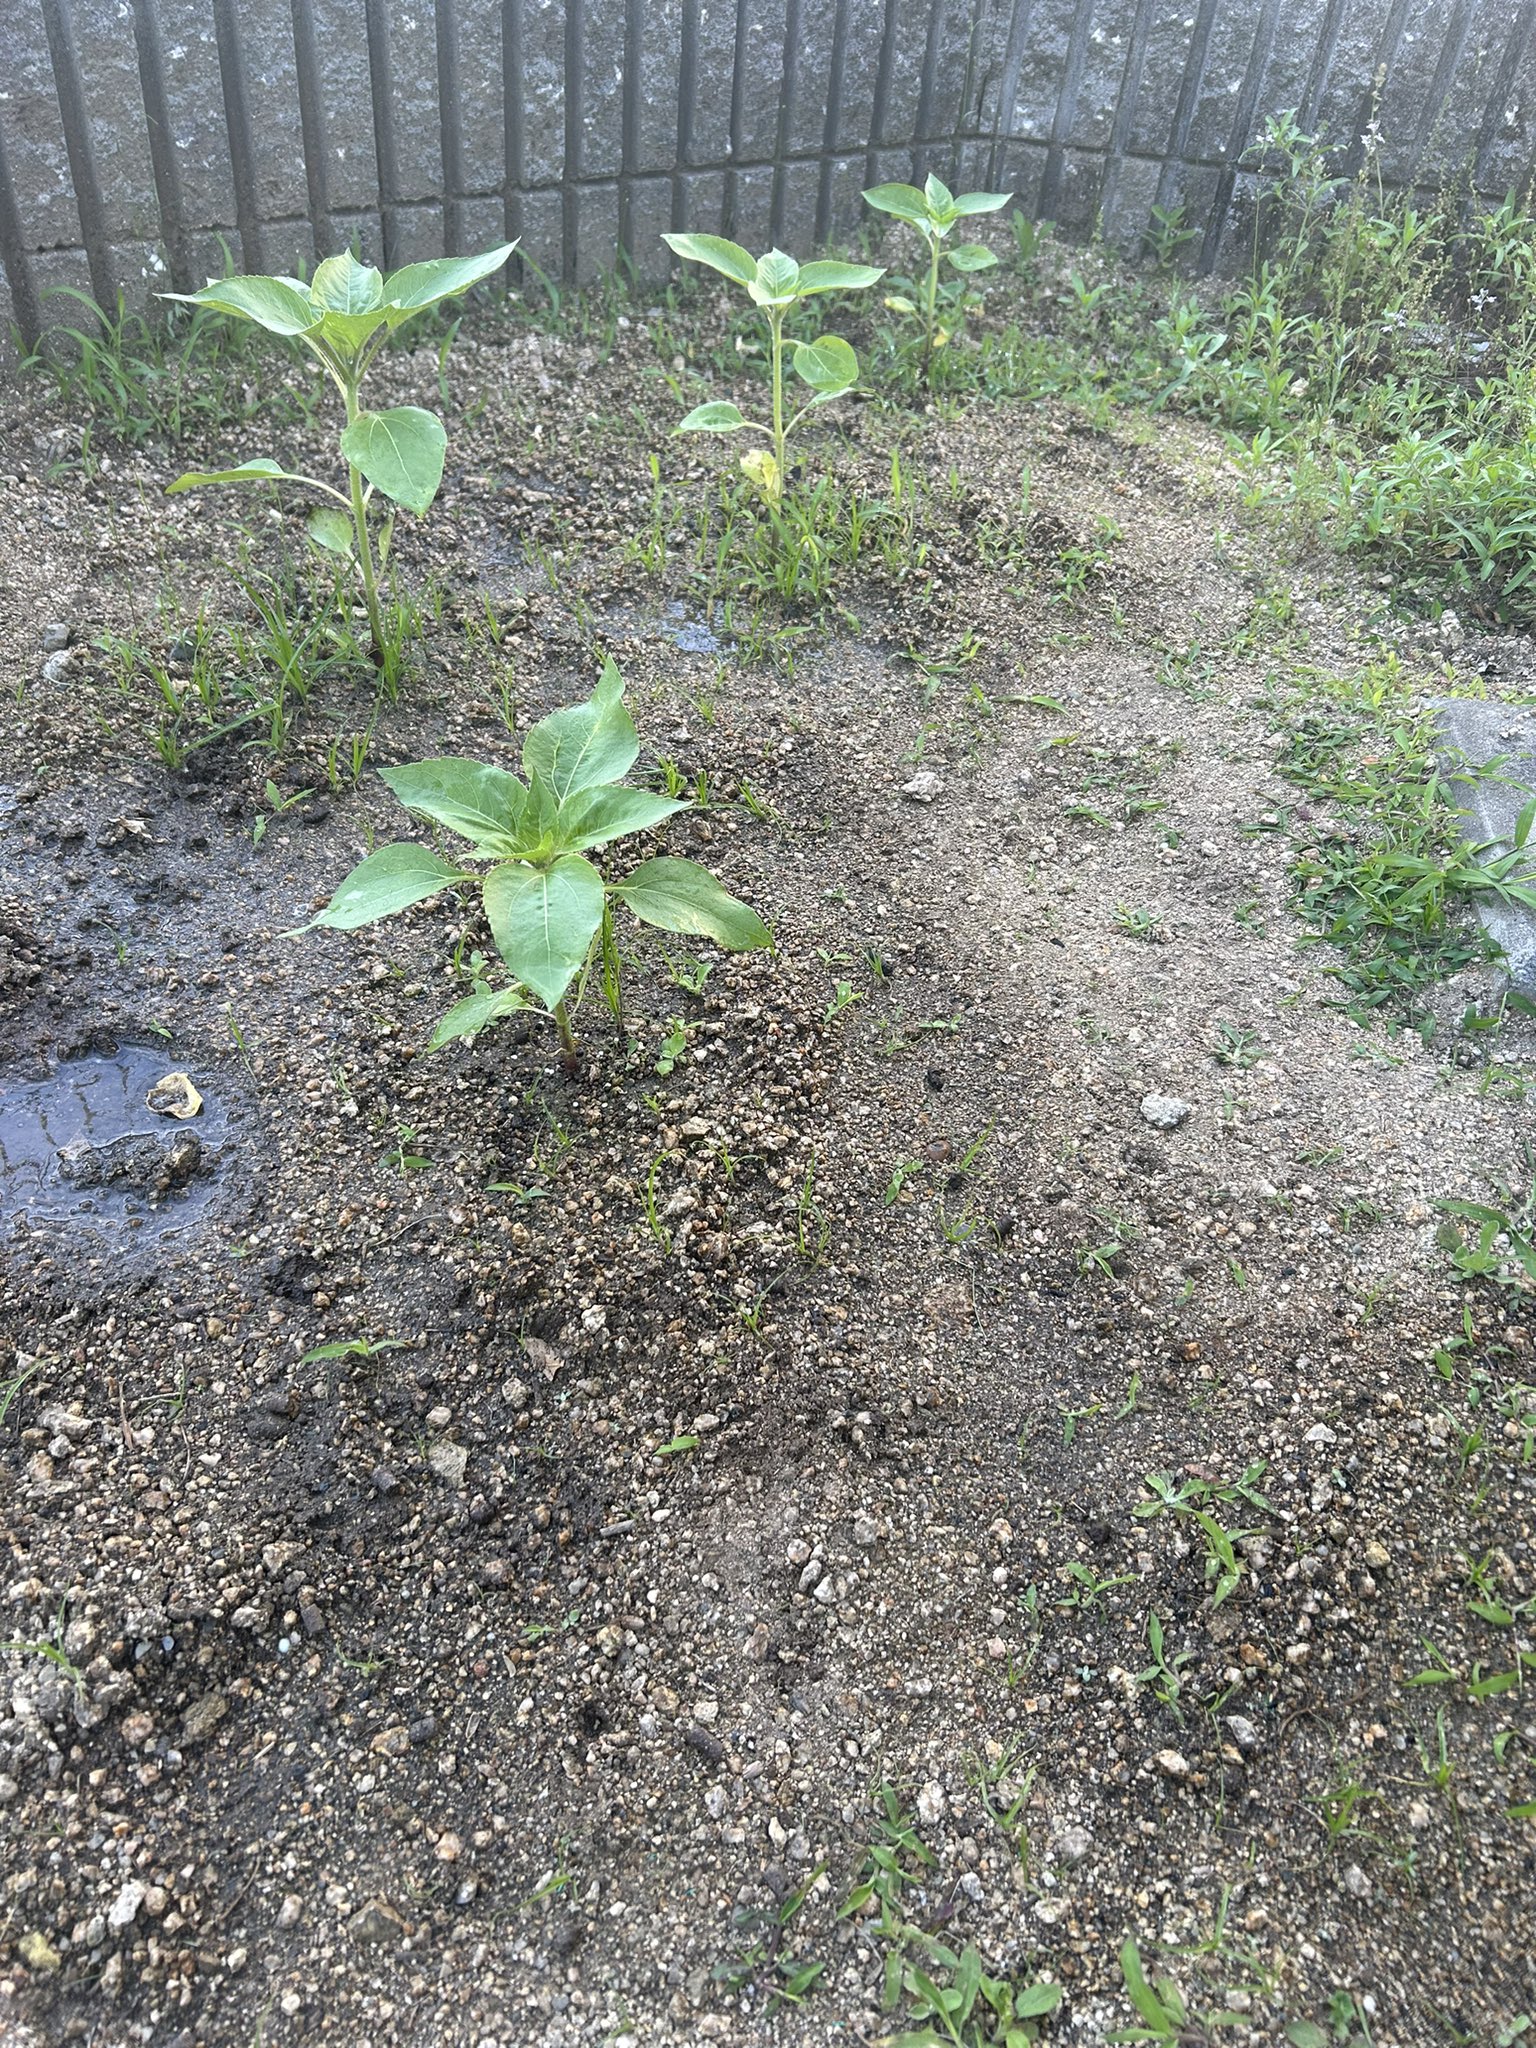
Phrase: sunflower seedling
(344, 316)
(827, 366)
(548, 906)
(934, 211)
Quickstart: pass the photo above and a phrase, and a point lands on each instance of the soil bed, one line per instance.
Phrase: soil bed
(766, 1415)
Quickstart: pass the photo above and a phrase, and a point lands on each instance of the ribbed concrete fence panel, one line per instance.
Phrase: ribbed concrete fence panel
(142, 139)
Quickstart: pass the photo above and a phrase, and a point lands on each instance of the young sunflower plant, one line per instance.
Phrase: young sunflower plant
(549, 907)
(344, 316)
(828, 366)
(934, 210)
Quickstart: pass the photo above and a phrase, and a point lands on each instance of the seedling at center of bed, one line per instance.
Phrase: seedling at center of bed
(548, 906)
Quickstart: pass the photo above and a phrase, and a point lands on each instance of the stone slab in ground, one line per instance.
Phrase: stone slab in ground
(1477, 734)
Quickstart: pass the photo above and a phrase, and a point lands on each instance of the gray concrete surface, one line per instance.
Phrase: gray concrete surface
(1500, 743)
(137, 136)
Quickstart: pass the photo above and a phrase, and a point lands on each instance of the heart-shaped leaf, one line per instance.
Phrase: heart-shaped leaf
(473, 798)
(444, 277)
(272, 302)
(330, 529)
(836, 277)
(828, 364)
(594, 816)
(544, 920)
(715, 416)
(474, 1013)
(971, 256)
(729, 258)
(392, 879)
(260, 470)
(680, 896)
(584, 744)
(400, 452)
(904, 201)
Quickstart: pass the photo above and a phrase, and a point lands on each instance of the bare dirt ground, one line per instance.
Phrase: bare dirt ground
(764, 1472)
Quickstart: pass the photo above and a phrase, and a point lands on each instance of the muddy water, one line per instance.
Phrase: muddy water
(82, 1148)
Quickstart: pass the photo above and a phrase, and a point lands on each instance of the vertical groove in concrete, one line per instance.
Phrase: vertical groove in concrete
(13, 254)
(1171, 176)
(514, 173)
(1127, 101)
(877, 119)
(1498, 97)
(1065, 114)
(237, 122)
(687, 100)
(150, 49)
(575, 100)
(629, 120)
(1322, 64)
(1242, 127)
(1386, 51)
(923, 128)
(306, 64)
(59, 28)
(380, 85)
(451, 126)
(832, 122)
(738, 111)
(777, 228)
(1008, 88)
(1451, 53)
(973, 95)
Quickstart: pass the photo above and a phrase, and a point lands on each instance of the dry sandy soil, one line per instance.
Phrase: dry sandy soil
(751, 1468)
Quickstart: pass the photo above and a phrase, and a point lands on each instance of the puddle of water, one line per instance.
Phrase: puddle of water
(82, 1147)
(688, 634)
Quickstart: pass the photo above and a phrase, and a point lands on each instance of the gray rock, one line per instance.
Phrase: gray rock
(1164, 1112)
(1244, 1734)
(124, 1909)
(708, 1746)
(448, 1462)
(57, 668)
(203, 1716)
(379, 1925)
(55, 638)
(923, 787)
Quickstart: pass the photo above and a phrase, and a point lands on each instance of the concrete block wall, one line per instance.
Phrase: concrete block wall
(142, 139)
